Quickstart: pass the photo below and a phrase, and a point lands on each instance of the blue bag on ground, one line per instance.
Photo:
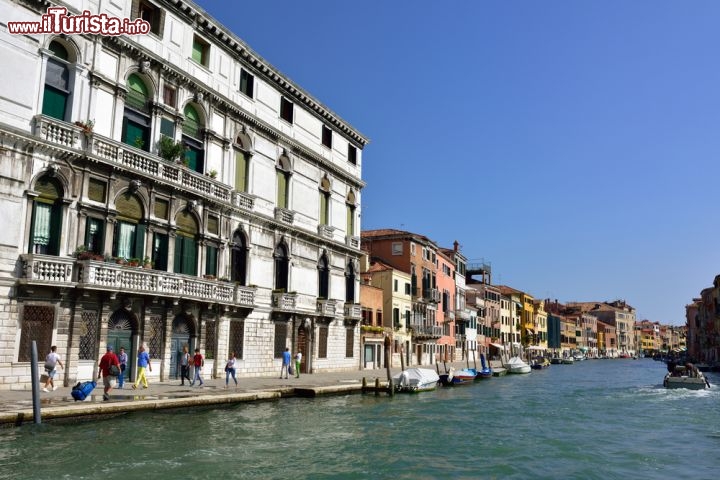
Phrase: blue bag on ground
(82, 390)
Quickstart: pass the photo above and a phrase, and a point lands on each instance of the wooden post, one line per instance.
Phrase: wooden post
(377, 387)
(388, 355)
(475, 359)
(437, 367)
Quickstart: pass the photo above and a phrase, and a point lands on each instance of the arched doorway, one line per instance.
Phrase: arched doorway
(121, 326)
(182, 331)
(303, 344)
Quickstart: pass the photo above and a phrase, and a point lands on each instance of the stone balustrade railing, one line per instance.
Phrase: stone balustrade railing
(50, 269)
(352, 310)
(326, 307)
(129, 157)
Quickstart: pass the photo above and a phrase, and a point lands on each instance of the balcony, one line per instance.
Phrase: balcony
(462, 315)
(326, 308)
(46, 270)
(326, 231)
(243, 200)
(284, 301)
(427, 331)
(284, 215)
(129, 158)
(98, 275)
(352, 311)
(245, 296)
(353, 242)
(431, 295)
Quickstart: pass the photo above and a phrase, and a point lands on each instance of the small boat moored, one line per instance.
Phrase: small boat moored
(517, 365)
(458, 377)
(414, 380)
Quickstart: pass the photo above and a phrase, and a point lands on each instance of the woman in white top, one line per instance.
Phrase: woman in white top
(230, 370)
(298, 361)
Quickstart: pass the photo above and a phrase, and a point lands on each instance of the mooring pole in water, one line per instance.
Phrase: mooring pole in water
(475, 359)
(35, 384)
(388, 344)
(402, 358)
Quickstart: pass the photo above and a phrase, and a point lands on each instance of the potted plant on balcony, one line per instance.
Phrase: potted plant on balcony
(86, 126)
(147, 263)
(133, 262)
(212, 173)
(169, 149)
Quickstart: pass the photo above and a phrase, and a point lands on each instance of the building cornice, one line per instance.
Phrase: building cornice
(203, 22)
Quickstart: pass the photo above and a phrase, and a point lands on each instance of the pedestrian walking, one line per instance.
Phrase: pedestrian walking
(185, 366)
(143, 364)
(123, 359)
(230, 370)
(285, 363)
(198, 363)
(107, 372)
(52, 360)
(298, 361)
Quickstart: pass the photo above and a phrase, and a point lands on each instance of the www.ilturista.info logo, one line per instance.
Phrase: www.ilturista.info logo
(57, 21)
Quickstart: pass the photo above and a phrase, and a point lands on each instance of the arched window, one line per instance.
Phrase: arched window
(283, 181)
(192, 137)
(46, 221)
(238, 259)
(324, 201)
(323, 277)
(186, 243)
(350, 283)
(129, 237)
(282, 263)
(136, 119)
(57, 83)
(350, 206)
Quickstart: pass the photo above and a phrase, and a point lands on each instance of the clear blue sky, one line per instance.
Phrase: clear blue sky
(573, 144)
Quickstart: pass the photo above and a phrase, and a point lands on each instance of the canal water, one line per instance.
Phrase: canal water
(597, 419)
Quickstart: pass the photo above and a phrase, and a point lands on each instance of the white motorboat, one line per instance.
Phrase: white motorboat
(517, 365)
(682, 377)
(416, 380)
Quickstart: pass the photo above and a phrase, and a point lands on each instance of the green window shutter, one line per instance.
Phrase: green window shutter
(281, 189)
(139, 251)
(54, 103)
(197, 51)
(167, 127)
(191, 157)
(55, 230)
(350, 220)
(189, 256)
(241, 171)
(191, 125)
(178, 260)
(323, 208)
(211, 260)
(132, 132)
(160, 251)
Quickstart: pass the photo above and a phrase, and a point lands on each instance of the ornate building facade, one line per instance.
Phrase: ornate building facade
(170, 188)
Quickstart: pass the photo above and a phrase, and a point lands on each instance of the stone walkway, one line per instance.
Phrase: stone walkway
(16, 406)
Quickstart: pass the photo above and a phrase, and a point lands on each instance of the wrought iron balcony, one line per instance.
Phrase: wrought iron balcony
(326, 308)
(101, 148)
(92, 274)
(40, 269)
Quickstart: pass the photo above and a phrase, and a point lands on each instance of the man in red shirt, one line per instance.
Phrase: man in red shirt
(108, 378)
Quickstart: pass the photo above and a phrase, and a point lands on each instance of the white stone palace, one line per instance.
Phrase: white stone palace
(170, 188)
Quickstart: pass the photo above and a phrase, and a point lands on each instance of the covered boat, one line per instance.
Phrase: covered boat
(458, 377)
(682, 376)
(416, 380)
(517, 365)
